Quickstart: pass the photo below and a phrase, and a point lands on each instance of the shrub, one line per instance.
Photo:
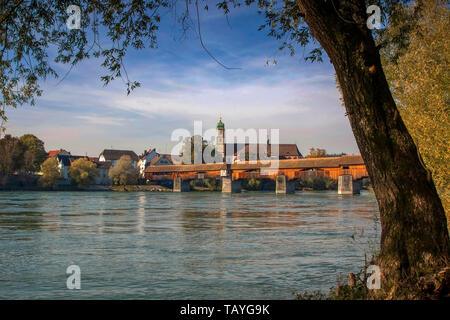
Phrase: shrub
(317, 183)
(213, 184)
(252, 184)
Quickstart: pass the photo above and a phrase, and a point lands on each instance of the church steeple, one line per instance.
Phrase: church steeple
(220, 138)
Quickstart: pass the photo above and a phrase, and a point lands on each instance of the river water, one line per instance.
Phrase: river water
(196, 245)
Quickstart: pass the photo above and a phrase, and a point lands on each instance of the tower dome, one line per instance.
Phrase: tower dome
(220, 124)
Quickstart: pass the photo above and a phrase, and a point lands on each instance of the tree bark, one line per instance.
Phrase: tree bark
(414, 237)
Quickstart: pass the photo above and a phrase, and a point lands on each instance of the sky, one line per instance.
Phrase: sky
(181, 84)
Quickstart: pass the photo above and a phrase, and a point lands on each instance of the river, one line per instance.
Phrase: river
(195, 245)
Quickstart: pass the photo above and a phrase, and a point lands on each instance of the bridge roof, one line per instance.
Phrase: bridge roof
(307, 163)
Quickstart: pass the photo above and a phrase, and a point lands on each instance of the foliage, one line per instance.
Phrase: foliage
(343, 291)
(252, 184)
(35, 153)
(83, 172)
(316, 153)
(208, 184)
(50, 173)
(29, 30)
(124, 172)
(317, 183)
(420, 82)
(353, 288)
(213, 184)
(427, 286)
(394, 40)
(25, 153)
(347, 291)
(11, 155)
(322, 153)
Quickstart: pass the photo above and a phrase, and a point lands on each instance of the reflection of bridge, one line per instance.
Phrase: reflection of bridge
(347, 169)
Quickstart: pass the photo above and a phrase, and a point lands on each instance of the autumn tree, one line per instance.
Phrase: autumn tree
(414, 238)
(34, 154)
(316, 153)
(83, 172)
(124, 172)
(419, 77)
(50, 173)
(11, 155)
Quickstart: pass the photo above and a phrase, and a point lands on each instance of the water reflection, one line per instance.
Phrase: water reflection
(141, 214)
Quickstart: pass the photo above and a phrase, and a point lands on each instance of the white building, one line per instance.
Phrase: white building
(145, 159)
(103, 173)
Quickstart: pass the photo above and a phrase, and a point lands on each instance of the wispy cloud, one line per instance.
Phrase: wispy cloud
(101, 120)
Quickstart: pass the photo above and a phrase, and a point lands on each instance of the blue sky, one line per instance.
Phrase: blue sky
(180, 83)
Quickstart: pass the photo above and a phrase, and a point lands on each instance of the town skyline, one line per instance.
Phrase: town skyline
(164, 148)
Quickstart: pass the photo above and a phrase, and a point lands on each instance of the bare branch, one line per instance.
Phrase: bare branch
(203, 45)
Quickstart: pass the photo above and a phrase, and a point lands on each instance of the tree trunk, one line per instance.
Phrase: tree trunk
(414, 237)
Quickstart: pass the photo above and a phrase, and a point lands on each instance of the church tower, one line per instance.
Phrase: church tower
(220, 138)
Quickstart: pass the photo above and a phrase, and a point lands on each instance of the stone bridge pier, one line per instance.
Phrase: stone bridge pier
(284, 185)
(346, 185)
(231, 186)
(180, 185)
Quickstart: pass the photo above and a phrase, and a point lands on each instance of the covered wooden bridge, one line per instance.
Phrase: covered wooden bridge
(349, 170)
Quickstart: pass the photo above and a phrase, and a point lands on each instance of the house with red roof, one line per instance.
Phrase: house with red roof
(54, 153)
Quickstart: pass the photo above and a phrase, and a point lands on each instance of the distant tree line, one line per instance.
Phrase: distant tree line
(27, 155)
(322, 153)
(83, 173)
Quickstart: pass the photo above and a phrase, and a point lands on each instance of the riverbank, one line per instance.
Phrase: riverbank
(134, 188)
(70, 188)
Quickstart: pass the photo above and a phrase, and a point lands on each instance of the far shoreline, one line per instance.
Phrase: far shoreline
(70, 188)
